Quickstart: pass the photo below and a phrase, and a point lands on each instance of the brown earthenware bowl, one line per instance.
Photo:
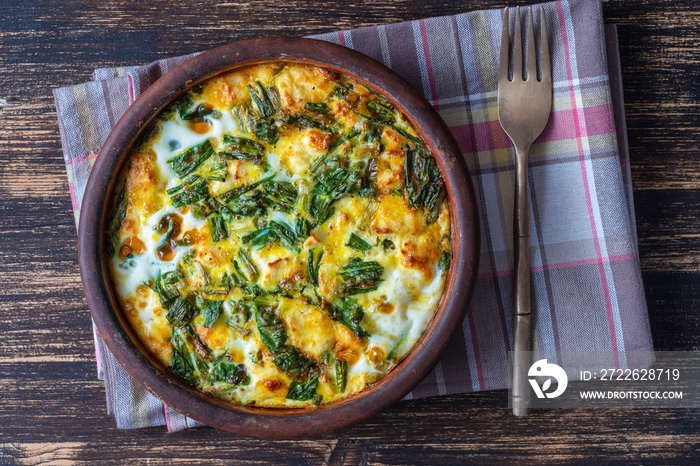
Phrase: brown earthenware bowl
(266, 422)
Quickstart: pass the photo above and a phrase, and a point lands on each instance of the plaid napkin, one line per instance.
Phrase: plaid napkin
(587, 289)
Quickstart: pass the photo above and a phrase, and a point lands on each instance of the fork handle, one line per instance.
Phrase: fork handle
(522, 344)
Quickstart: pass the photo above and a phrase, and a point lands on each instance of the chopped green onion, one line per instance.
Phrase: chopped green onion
(342, 89)
(350, 314)
(190, 191)
(281, 194)
(267, 131)
(360, 276)
(188, 161)
(247, 265)
(424, 183)
(444, 262)
(271, 330)
(237, 148)
(341, 376)
(181, 312)
(258, 95)
(303, 391)
(357, 243)
(224, 370)
(210, 311)
(217, 224)
(201, 111)
(291, 361)
(321, 108)
(314, 264)
(380, 112)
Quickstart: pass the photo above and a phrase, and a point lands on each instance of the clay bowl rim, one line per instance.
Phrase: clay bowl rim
(267, 422)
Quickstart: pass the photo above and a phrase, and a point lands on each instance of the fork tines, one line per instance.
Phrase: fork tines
(517, 65)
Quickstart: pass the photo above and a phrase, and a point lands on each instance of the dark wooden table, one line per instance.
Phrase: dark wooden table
(52, 407)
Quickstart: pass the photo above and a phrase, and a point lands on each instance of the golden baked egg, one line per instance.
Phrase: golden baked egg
(279, 237)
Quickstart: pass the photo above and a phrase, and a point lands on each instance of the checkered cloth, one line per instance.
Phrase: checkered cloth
(587, 292)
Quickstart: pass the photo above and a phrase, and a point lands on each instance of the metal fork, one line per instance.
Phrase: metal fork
(523, 110)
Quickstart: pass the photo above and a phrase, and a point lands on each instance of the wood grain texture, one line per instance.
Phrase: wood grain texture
(52, 408)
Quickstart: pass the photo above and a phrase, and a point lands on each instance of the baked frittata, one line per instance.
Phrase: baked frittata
(280, 236)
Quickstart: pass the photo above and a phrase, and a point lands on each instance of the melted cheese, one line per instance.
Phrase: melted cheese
(401, 243)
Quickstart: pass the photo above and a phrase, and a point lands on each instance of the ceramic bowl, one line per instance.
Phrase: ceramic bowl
(266, 422)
